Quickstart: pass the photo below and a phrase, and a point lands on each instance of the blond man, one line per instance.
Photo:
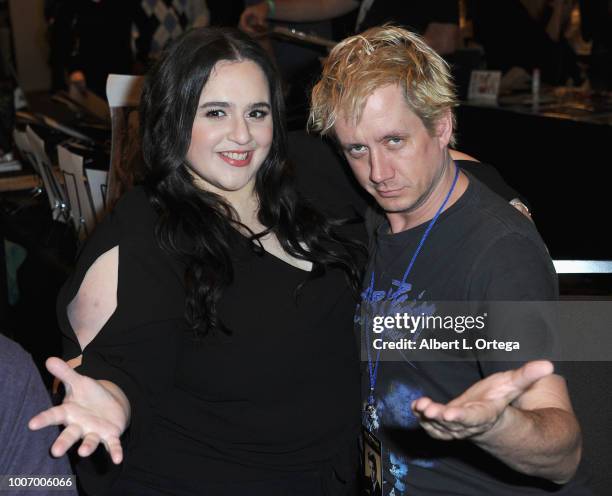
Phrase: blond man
(440, 235)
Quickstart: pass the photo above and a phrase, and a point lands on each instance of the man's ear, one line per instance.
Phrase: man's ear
(444, 128)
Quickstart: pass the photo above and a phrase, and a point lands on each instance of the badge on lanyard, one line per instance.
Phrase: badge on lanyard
(372, 447)
(372, 464)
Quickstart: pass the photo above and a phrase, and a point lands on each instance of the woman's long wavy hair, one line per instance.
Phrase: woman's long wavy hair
(197, 226)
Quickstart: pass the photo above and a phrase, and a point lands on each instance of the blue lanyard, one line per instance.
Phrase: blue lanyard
(373, 367)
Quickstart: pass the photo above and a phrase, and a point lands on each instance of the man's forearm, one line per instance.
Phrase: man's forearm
(312, 10)
(543, 443)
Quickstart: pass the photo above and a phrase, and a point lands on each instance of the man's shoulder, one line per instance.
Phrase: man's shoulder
(24, 395)
(492, 218)
(16, 371)
(507, 256)
(493, 240)
(15, 362)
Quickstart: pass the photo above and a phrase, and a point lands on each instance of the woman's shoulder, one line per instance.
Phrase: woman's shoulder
(133, 216)
(130, 222)
(134, 204)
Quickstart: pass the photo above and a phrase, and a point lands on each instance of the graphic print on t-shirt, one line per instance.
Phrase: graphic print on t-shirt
(394, 393)
(479, 251)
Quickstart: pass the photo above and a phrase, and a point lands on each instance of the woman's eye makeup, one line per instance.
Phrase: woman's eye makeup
(258, 114)
(215, 113)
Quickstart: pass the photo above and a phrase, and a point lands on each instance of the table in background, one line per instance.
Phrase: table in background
(558, 157)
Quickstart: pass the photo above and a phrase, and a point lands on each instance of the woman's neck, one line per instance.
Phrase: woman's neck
(247, 209)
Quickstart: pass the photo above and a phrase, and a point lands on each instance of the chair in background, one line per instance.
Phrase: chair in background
(55, 191)
(81, 209)
(98, 187)
(25, 151)
(123, 94)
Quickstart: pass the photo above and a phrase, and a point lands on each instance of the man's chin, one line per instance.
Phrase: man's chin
(395, 205)
(401, 204)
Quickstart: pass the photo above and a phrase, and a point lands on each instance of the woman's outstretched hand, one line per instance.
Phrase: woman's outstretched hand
(94, 411)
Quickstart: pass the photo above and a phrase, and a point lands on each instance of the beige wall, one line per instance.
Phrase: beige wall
(31, 48)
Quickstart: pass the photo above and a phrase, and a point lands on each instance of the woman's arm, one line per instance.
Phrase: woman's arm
(96, 299)
(96, 411)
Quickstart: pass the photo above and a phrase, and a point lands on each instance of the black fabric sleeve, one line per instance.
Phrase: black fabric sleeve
(105, 237)
(515, 275)
(108, 356)
(136, 348)
(514, 268)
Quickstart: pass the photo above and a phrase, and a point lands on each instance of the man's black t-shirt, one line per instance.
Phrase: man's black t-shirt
(480, 249)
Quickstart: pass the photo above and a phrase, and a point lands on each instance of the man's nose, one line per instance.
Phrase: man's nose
(380, 168)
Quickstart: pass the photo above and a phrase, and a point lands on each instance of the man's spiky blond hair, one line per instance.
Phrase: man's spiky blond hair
(378, 57)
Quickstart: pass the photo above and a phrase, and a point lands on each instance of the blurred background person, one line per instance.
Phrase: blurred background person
(226, 13)
(524, 35)
(90, 39)
(596, 23)
(25, 453)
(436, 20)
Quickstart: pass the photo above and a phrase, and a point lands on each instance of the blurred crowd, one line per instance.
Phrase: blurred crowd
(89, 39)
(568, 41)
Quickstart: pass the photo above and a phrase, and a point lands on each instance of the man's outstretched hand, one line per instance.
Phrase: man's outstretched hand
(481, 407)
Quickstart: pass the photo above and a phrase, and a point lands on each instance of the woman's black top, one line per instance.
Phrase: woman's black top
(275, 401)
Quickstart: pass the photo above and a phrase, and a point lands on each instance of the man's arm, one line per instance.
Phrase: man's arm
(23, 394)
(561, 11)
(543, 430)
(522, 417)
(293, 11)
(494, 181)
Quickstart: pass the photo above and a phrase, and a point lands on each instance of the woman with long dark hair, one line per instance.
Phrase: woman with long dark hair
(212, 307)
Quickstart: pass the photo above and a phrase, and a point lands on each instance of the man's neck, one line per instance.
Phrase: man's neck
(402, 221)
